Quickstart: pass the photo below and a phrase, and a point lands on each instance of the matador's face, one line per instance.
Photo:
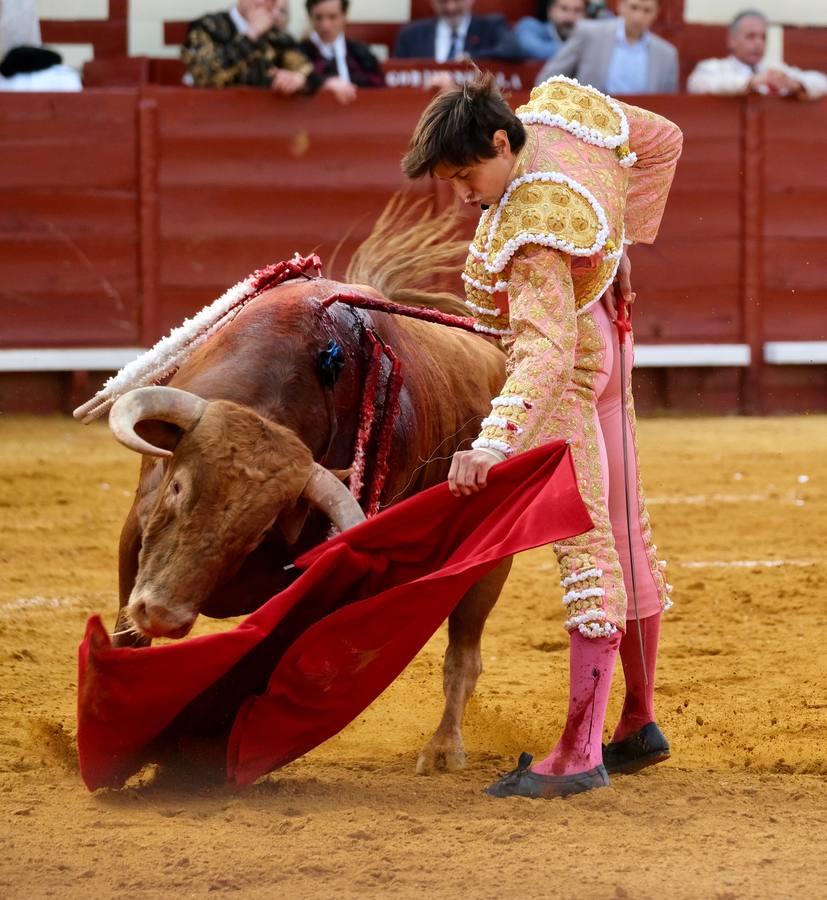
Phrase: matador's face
(484, 181)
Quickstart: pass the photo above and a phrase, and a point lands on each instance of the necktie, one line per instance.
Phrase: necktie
(456, 45)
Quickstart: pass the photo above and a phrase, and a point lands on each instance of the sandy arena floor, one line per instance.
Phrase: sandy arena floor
(740, 811)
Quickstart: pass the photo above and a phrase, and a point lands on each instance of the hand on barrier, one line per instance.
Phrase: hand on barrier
(287, 82)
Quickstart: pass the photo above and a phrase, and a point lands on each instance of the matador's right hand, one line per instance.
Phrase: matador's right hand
(620, 288)
(469, 471)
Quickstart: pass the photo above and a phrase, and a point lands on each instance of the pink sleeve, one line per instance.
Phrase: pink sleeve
(541, 356)
(657, 143)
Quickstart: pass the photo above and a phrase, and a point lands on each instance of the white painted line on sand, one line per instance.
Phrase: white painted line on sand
(747, 563)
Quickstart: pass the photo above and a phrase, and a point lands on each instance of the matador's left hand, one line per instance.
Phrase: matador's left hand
(620, 287)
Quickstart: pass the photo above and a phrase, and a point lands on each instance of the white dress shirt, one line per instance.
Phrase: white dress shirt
(241, 24)
(55, 78)
(337, 50)
(730, 76)
(444, 38)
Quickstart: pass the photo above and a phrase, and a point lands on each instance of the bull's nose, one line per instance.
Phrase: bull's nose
(155, 619)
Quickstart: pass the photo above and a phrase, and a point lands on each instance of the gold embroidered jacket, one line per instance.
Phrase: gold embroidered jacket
(594, 173)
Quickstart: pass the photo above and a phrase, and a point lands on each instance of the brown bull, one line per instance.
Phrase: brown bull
(236, 483)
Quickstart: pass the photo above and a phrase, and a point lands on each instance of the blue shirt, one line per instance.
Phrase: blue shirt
(629, 66)
(536, 39)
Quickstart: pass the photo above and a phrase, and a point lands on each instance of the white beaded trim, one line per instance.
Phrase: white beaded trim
(511, 400)
(585, 594)
(489, 289)
(547, 240)
(169, 352)
(482, 443)
(668, 603)
(590, 135)
(589, 624)
(594, 630)
(483, 310)
(581, 576)
(500, 422)
(616, 255)
(477, 254)
(486, 329)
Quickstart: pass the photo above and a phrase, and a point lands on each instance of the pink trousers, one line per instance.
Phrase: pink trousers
(596, 567)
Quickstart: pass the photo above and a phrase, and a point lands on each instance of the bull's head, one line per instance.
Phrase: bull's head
(229, 475)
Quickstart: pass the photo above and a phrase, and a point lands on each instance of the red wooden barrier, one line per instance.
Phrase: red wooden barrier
(68, 219)
(125, 210)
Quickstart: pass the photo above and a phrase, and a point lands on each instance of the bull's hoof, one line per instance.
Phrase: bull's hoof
(441, 755)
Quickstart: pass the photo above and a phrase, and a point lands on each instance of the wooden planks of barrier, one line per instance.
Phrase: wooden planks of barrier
(124, 210)
(68, 219)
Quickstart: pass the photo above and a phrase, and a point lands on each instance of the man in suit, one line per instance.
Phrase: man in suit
(343, 65)
(619, 56)
(455, 34)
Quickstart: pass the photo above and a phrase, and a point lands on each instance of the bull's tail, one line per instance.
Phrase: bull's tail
(410, 250)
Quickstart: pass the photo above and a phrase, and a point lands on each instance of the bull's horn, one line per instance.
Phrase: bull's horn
(324, 491)
(165, 403)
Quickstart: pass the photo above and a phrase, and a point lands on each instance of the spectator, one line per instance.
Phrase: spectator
(619, 56)
(37, 69)
(341, 64)
(19, 25)
(456, 34)
(248, 46)
(597, 10)
(541, 40)
(743, 70)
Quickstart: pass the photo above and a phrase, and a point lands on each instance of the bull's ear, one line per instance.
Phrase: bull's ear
(158, 433)
(341, 474)
(291, 521)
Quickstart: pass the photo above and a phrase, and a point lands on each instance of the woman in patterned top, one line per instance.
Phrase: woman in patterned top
(565, 184)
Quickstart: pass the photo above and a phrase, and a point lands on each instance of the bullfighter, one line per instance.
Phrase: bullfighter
(564, 185)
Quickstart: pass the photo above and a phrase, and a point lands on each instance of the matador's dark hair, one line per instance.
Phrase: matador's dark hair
(309, 4)
(457, 128)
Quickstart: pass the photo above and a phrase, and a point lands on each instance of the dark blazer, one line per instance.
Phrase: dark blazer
(488, 37)
(362, 65)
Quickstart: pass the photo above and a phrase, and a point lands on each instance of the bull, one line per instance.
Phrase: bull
(246, 448)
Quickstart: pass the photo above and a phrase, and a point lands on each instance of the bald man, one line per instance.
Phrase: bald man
(744, 71)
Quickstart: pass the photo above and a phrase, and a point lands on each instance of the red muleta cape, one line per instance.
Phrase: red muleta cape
(295, 672)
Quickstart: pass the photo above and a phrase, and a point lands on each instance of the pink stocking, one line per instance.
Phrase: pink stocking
(591, 664)
(639, 705)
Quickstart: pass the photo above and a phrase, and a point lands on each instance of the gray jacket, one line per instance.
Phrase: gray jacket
(587, 53)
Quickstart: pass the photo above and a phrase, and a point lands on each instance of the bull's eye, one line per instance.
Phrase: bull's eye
(176, 487)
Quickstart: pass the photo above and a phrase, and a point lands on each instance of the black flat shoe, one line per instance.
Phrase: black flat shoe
(522, 782)
(643, 748)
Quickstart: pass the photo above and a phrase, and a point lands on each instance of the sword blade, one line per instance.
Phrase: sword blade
(627, 489)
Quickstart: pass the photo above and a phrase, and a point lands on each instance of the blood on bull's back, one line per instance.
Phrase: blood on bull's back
(288, 384)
